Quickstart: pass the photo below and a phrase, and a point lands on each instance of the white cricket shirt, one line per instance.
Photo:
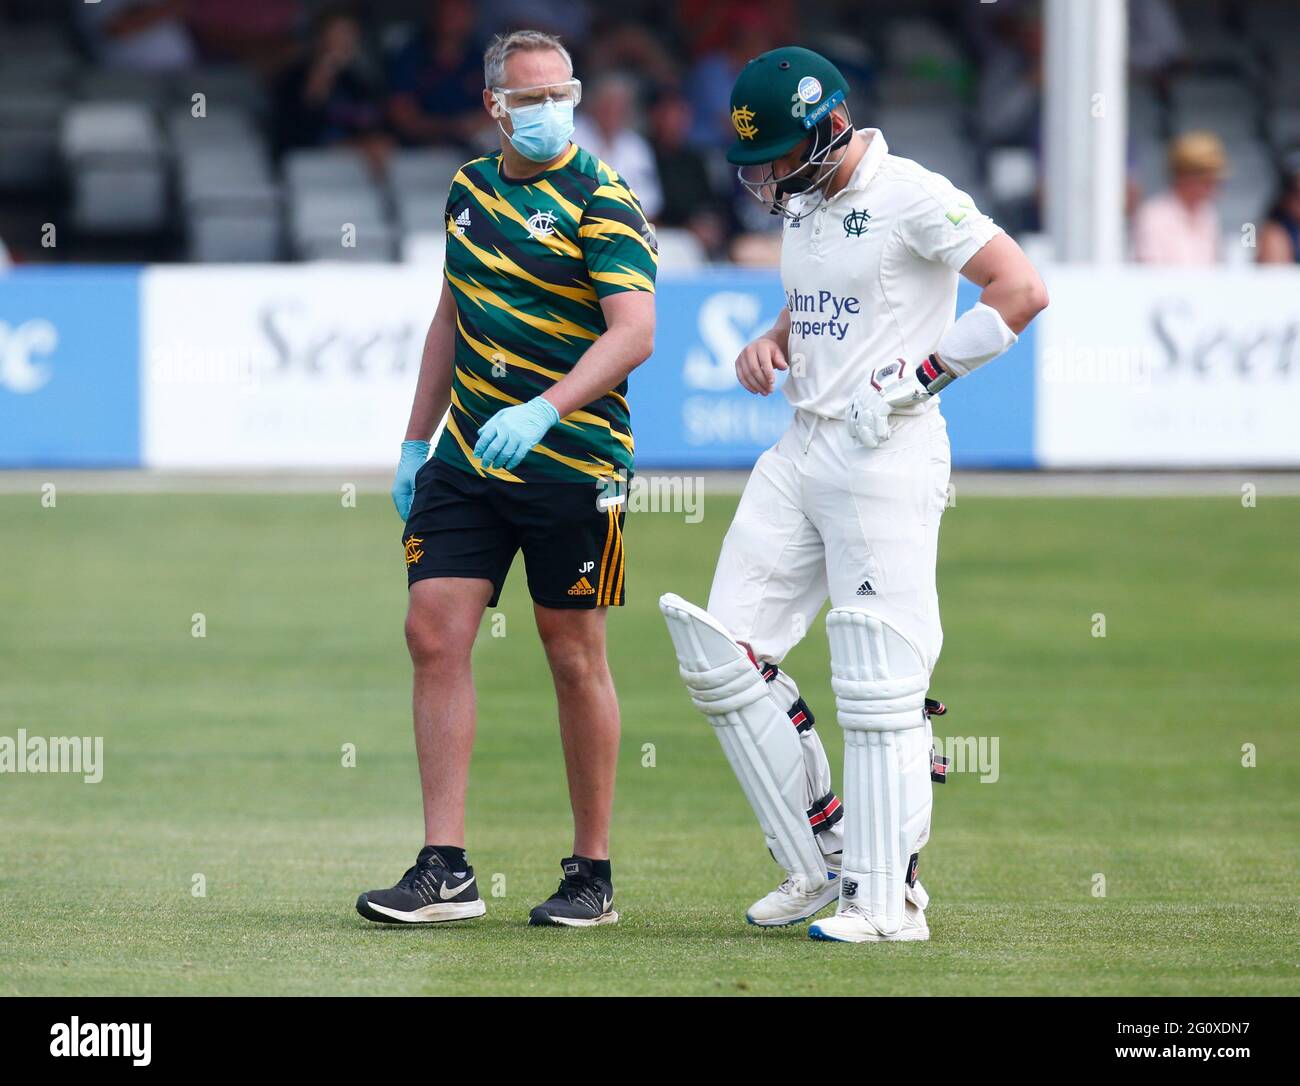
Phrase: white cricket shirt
(871, 276)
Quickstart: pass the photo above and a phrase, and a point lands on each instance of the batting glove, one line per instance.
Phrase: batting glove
(889, 387)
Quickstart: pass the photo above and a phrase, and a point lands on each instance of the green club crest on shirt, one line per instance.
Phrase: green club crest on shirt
(855, 224)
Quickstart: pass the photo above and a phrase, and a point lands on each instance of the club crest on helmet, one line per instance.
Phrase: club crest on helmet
(742, 119)
(782, 102)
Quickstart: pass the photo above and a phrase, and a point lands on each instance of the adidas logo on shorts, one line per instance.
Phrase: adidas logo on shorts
(581, 587)
(865, 589)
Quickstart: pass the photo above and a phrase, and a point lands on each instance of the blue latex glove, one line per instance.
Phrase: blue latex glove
(414, 454)
(508, 435)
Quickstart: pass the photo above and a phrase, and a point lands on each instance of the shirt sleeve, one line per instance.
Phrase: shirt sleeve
(943, 224)
(456, 201)
(618, 243)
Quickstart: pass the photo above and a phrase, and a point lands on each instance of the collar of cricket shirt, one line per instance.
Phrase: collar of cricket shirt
(865, 170)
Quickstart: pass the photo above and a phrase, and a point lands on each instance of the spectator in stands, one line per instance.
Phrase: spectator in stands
(747, 32)
(1155, 39)
(564, 18)
(689, 199)
(263, 34)
(1182, 226)
(436, 80)
(1279, 240)
(604, 127)
(328, 98)
(1009, 45)
(144, 35)
(622, 41)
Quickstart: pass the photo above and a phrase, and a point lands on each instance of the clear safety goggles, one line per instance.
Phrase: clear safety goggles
(511, 98)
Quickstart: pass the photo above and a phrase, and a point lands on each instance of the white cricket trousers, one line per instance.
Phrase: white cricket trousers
(822, 516)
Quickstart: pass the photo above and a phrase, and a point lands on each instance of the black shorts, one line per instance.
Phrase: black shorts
(465, 525)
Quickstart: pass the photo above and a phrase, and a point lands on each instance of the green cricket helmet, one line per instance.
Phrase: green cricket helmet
(780, 99)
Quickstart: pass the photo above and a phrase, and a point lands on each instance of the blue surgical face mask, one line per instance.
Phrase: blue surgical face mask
(542, 131)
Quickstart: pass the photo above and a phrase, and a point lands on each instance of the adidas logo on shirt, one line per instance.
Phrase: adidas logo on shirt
(865, 589)
(582, 587)
(462, 221)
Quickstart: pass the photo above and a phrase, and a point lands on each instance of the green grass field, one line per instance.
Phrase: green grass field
(1119, 756)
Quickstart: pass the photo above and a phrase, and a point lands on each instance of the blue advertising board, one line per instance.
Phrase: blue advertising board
(70, 364)
(70, 367)
(687, 408)
(689, 411)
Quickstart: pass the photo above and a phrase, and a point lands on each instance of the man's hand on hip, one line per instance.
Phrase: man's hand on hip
(507, 436)
(414, 454)
(888, 388)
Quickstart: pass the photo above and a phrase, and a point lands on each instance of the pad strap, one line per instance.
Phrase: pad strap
(825, 813)
(932, 376)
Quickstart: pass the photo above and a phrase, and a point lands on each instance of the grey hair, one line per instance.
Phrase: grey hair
(502, 45)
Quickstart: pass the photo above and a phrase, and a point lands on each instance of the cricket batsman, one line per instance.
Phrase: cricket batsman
(847, 504)
(547, 305)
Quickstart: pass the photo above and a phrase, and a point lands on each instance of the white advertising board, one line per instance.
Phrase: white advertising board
(281, 367)
(1160, 367)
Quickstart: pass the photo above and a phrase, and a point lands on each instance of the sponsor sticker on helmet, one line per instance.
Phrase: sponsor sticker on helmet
(810, 89)
(829, 104)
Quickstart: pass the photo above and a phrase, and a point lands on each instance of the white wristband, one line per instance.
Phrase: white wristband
(978, 336)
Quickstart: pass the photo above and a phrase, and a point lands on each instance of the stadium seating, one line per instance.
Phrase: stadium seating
(115, 156)
(29, 136)
(35, 66)
(123, 143)
(679, 250)
(228, 196)
(418, 181)
(327, 191)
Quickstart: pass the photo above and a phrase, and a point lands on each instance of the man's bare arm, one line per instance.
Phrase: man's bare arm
(757, 363)
(626, 342)
(433, 388)
(1011, 283)
(779, 333)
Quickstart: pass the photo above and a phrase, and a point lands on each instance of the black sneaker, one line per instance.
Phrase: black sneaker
(427, 894)
(583, 899)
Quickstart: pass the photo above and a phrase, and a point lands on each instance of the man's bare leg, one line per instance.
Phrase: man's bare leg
(442, 620)
(589, 720)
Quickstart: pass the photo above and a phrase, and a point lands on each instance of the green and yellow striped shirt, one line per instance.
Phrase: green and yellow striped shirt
(528, 262)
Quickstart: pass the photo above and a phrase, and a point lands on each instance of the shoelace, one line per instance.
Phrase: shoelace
(415, 873)
(790, 887)
(577, 890)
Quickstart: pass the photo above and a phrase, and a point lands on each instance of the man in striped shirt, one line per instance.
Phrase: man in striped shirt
(547, 305)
